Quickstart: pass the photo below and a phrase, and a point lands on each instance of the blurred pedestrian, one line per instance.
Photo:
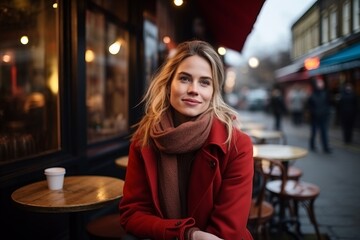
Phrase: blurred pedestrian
(277, 107)
(190, 169)
(297, 100)
(348, 111)
(319, 106)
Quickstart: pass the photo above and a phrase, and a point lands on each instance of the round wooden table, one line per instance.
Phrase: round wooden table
(122, 162)
(283, 153)
(261, 136)
(245, 118)
(80, 193)
(251, 126)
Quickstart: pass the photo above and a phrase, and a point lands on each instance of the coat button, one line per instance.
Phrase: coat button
(212, 164)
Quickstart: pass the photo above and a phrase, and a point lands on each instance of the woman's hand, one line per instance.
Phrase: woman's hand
(200, 235)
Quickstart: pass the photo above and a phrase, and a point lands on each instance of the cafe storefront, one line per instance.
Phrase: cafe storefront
(71, 74)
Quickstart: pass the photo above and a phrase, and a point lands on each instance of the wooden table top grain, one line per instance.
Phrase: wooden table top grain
(80, 193)
(265, 134)
(251, 126)
(279, 152)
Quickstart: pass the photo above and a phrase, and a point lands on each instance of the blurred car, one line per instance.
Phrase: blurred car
(257, 99)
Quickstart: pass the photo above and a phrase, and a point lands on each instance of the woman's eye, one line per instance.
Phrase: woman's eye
(205, 82)
(184, 78)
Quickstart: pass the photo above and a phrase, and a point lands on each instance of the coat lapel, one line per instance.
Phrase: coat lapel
(204, 169)
(206, 166)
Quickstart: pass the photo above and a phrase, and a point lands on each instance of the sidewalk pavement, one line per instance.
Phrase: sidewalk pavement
(337, 174)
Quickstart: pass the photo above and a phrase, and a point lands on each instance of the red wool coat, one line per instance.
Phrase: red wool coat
(219, 195)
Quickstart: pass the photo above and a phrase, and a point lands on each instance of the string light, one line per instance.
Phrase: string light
(178, 2)
(222, 51)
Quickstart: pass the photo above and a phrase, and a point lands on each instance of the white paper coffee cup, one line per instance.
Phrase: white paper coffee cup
(55, 177)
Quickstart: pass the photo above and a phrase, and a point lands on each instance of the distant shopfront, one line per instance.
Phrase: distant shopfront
(337, 67)
(345, 59)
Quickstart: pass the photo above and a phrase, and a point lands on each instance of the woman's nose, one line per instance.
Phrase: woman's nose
(192, 89)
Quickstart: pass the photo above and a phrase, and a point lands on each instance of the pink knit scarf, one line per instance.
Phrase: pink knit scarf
(171, 141)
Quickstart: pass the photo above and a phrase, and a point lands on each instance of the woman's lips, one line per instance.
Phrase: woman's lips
(191, 101)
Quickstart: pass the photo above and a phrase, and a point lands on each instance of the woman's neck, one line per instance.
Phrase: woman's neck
(179, 118)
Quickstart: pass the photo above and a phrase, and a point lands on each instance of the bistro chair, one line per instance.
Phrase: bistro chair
(293, 173)
(290, 193)
(106, 227)
(261, 210)
(122, 162)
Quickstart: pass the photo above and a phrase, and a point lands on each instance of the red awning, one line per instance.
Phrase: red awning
(230, 21)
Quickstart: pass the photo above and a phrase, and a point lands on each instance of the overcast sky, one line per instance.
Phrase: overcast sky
(272, 29)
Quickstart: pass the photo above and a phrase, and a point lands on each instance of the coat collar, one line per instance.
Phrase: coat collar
(218, 135)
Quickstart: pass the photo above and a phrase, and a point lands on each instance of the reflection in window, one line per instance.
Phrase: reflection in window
(325, 29)
(117, 7)
(333, 24)
(151, 49)
(29, 107)
(346, 18)
(356, 15)
(106, 78)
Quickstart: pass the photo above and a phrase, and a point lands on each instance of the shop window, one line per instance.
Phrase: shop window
(106, 78)
(325, 29)
(117, 7)
(333, 24)
(346, 18)
(151, 44)
(29, 79)
(356, 15)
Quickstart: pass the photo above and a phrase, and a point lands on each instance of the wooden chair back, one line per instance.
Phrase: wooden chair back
(261, 210)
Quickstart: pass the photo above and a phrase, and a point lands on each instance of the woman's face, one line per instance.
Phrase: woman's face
(191, 88)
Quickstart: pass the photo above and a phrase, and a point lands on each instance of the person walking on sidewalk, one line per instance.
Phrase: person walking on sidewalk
(319, 106)
(348, 111)
(277, 107)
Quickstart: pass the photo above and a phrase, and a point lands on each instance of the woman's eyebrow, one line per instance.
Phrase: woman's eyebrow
(184, 73)
(206, 77)
(188, 74)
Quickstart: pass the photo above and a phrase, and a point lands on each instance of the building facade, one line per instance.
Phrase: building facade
(326, 40)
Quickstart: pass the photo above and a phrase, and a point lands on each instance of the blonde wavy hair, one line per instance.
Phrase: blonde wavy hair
(157, 96)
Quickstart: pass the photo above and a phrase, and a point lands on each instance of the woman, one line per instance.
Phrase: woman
(190, 170)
